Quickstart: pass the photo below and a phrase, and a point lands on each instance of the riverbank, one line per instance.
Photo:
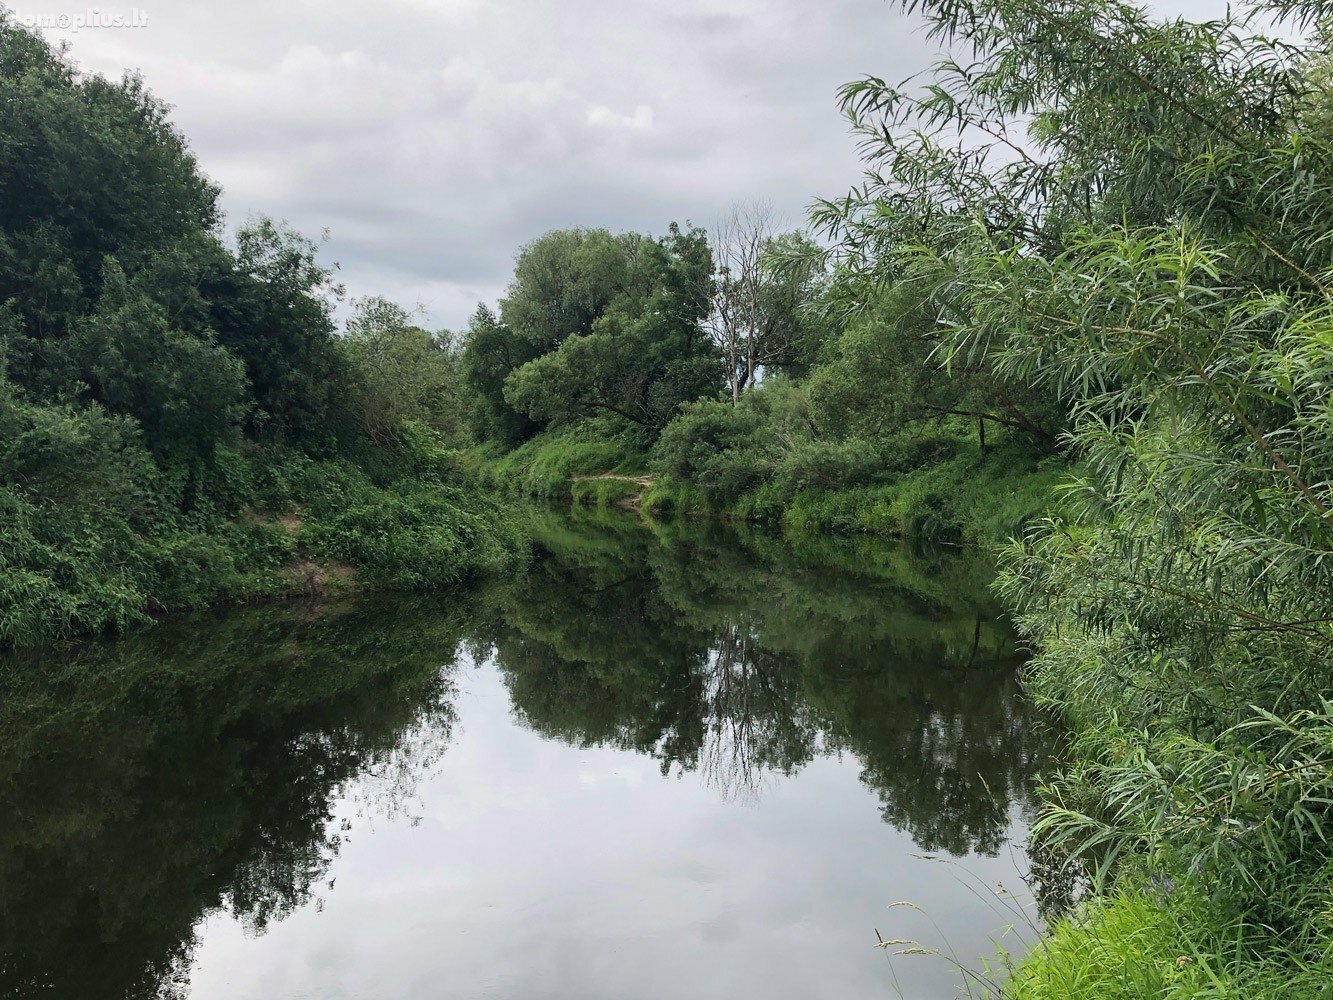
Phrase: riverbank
(944, 487)
(275, 527)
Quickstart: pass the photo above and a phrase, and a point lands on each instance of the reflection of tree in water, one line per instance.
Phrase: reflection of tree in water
(755, 721)
(948, 749)
(149, 781)
(730, 656)
(598, 657)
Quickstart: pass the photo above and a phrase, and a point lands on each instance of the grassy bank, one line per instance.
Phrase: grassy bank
(246, 528)
(1169, 941)
(943, 486)
(547, 465)
(962, 494)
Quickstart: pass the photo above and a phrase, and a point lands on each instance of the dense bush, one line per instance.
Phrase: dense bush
(174, 407)
(421, 535)
(766, 460)
(716, 445)
(1157, 255)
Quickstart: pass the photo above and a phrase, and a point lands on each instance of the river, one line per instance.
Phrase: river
(661, 763)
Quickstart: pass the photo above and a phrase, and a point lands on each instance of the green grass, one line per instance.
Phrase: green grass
(546, 465)
(1155, 945)
(605, 492)
(959, 494)
(668, 497)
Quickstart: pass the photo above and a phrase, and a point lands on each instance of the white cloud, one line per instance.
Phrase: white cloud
(603, 117)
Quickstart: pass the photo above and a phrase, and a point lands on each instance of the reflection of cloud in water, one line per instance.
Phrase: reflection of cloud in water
(221, 763)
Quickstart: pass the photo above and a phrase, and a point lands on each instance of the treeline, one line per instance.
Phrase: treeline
(183, 420)
(180, 421)
(750, 379)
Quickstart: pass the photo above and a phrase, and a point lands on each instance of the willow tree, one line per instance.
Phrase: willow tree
(1135, 212)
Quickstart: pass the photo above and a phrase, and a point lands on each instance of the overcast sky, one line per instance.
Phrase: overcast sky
(431, 138)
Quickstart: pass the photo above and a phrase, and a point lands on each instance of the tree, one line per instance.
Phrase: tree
(564, 281)
(186, 391)
(1134, 213)
(491, 352)
(890, 369)
(273, 308)
(757, 317)
(106, 228)
(645, 355)
(400, 371)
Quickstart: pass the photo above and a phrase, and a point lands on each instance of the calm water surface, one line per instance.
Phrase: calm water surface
(681, 766)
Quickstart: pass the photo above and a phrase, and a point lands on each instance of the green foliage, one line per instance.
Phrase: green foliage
(969, 496)
(272, 310)
(765, 460)
(97, 536)
(62, 573)
(547, 465)
(88, 169)
(186, 392)
(713, 444)
(402, 373)
(564, 281)
(668, 497)
(1132, 213)
(886, 372)
(238, 562)
(644, 352)
(491, 352)
(420, 536)
(607, 491)
(115, 285)
(170, 407)
(1168, 941)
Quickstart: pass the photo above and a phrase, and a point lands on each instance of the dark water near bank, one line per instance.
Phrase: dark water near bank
(655, 766)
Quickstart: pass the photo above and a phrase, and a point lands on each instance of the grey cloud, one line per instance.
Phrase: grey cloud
(433, 137)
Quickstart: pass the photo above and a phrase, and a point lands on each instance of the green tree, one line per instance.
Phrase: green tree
(889, 369)
(272, 308)
(401, 372)
(491, 351)
(186, 391)
(564, 281)
(1134, 213)
(645, 355)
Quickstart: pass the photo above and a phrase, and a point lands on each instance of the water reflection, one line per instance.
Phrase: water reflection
(219, 763)
(740, 658)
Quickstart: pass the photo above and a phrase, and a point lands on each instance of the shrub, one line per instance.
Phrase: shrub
(420, 536)
(716, 445)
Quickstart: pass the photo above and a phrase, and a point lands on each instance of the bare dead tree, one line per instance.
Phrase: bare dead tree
(753, 317)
